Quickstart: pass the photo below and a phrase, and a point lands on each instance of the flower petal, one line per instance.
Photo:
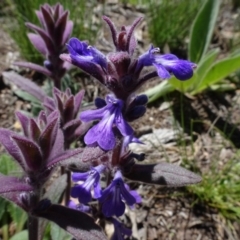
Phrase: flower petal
(79, 176)
(91, 115)
(182, 70)
(162, 72)
(123, 126)
(113, 206)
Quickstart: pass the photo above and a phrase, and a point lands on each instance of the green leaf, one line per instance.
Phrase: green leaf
(218, 71)
(23, 235)
(235, 52)
(26, 96)
(159, 91)
(202, 30)
(58, 233)
(191, 84)
(205, 64)
(3, 206)
(8, 166)
(56, 189)
(17, 215)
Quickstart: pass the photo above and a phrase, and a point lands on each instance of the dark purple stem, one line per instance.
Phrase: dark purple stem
(33, 228)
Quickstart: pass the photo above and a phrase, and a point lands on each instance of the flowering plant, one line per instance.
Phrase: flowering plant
(46, 143)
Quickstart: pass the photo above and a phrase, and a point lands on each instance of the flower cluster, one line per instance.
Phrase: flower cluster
(100, 166)
(119, 71)
(122, 74)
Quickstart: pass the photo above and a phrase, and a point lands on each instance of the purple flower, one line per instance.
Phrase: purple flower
(81, 51)
(119, 230)
(110, 116)
(91, 180)
(86, 57)
(80, 207)
(113, 196)
(166, 64)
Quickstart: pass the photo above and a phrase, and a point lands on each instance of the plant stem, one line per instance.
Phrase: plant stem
(5, 227)
(33, 228)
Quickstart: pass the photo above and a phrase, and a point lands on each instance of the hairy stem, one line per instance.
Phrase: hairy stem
(33, 228)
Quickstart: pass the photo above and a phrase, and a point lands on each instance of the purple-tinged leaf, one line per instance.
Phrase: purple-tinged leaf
(77, 101)
(49, 105)
(60, 28)
(10, 146)
(71, 126)
(69, 129)
(13, 184)
(42, 119)
(44, 35)
(24, 120)
(34, 130)
(30, 152)
(130, 36)
(58, 146)
(48, 20)
(48, 7)
(67, 32)
(61, 10)
(78, 224)
(11, 189)
(94, 154)
(59, 104)
(52, 116)
(56, 91)
(166, 174)
(34, 67)
(48, 137)
(112, 29)
(82, 129)
(69, 109)
(38, 43)
(72, 156)
(68, 92)
(25, 84)
(56, 11)
(40, 17)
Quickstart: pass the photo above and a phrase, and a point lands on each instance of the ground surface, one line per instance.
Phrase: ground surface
(164, 213)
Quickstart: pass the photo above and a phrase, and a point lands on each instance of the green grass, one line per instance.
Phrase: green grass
(23, 11)
(169, 22)
(135, 2)
(220, 189)
(220, 186)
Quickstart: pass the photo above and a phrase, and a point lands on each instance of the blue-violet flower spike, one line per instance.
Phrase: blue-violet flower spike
(166, 64)
(109, 116)
(91, 180)
(113, 196)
